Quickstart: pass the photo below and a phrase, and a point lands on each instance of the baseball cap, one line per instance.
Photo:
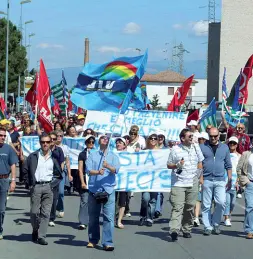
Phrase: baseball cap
(80, 117)
(204, 135)
(4, 122)
(235, 139)
(89, 137)
(193, 123)
(121, 139)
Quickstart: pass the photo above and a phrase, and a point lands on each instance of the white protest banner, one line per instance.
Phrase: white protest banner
(144, 171)
(140, 171)
(148, 121)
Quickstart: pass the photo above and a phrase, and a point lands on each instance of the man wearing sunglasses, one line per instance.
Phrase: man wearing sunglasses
(102, 166)
(58, 154)
(217, 161)
(239, 132)
(185, 160)
(42, 173)
(8, 165)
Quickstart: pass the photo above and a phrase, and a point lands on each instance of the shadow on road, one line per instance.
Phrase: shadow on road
(165, 236)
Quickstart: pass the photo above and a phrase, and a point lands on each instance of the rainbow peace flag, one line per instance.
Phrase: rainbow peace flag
(109, 87)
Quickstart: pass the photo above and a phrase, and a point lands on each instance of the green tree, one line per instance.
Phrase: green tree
(155, 102)
(17, 57)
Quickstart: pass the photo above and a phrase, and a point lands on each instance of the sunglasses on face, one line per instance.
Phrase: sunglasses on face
(133, 134)
(60, 136)
(2, 136)
(240, 128)
(152, 138)
(160, 136)
(126, 138)
(91, 142)
(208, 128)
(45, 142)
(213, 136)
(232, 143)
(53, 139)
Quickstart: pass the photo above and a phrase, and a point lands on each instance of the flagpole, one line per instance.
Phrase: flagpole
(241, 109)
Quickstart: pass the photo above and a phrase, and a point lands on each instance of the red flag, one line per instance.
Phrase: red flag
(56, 108)
(184, 89)
(43, 99)
(194, 116)
(31, 94)
(245, 77)
(70, 104)
(173, 107)
(2, 104)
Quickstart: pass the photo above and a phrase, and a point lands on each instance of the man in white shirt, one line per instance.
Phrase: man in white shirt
(186, 161)
(42, 173)
(80, 124)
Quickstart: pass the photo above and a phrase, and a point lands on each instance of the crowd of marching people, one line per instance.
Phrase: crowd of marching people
(207, 177)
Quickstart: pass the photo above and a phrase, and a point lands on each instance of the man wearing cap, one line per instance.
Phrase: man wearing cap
(194, 129)
(7, 165)
(217, 161)
(83, 188)
(102, 166)
(136, 142)
(80, 124)
(239, 132)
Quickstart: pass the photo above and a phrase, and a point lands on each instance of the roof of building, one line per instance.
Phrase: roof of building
(167, 76)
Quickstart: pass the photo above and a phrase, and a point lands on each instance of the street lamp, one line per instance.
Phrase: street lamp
(7, 55)
(30, 21)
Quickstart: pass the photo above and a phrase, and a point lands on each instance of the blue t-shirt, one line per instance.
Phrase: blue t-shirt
(8, 158)
(107, 181)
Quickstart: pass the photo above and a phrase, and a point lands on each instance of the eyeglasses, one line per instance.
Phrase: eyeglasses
(152, 138)
(232, 143)
(45, 142)
(60, 136)
(133, 134)
(91, 142)
(53, 139)
(240, 128)
(213, 136)
(2, 136)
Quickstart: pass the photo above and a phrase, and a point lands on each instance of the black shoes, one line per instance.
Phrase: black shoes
(149, 224)
(35, 236)
(142, 221)
(187, 235)
(174, 236)
(42, 242)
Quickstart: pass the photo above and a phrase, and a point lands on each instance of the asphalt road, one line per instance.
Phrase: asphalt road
(66, 241)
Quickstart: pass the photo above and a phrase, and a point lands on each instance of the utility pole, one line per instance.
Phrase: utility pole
(180, 55)
(211, 11)
(86, 50)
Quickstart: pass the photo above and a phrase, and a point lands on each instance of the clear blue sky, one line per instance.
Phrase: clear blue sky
(115, 28)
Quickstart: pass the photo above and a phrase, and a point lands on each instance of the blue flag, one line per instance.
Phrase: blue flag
(110, 86)
(209, 116)
(236, 106)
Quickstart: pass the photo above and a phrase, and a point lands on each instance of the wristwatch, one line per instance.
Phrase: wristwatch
(13, 179)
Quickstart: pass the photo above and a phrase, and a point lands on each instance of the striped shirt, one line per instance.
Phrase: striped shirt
(192, 156)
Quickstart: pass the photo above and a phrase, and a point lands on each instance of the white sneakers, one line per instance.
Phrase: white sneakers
(227, 223)
(51, 224)
(239, 196)
(61, 214)
(196, 222)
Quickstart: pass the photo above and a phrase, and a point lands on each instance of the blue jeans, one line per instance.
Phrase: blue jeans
(60, 202)
(217, 190)
(248, 222)
(159, 202)
(83, 208)
(230, 202)
(148, 204)
(4, 187)
(108, 220)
